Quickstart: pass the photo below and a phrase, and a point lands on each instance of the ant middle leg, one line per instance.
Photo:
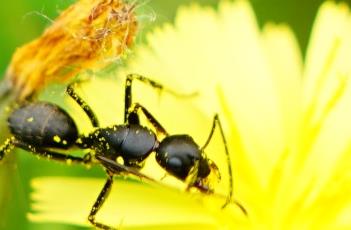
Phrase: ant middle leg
(99, 202)
(157, 125)
(128, 92)
(86, 108)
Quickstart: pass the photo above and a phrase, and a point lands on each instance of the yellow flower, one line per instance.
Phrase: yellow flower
(287, 124)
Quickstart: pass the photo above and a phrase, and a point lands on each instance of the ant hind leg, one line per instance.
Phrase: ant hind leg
(65, 158)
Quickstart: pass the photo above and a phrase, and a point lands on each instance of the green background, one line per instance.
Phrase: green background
(23, 20)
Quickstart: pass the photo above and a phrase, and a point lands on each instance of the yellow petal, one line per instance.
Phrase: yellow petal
(131, 205)
(327, 58)
(285, 62)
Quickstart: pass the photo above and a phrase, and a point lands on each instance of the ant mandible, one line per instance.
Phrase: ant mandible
(38, 126)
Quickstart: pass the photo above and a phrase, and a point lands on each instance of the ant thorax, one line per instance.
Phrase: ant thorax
(131, 142)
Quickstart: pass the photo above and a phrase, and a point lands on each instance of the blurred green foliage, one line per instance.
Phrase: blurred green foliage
(23, 20)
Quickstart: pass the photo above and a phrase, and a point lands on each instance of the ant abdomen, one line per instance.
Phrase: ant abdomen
(132, 142)
(43, 124)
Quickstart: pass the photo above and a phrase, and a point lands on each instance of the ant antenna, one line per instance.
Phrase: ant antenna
(217, 122)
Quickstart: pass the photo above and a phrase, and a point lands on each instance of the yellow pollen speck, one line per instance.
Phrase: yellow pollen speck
(64, 142)
(30, 119)
(87, 166)
(57, 139)
(120, 160)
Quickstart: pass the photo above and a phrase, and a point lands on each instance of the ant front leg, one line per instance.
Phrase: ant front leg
(86, 108)
(120, 169)
(99, 202)
(157, 125)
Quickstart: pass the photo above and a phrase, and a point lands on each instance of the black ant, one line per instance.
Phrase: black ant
(39, 126)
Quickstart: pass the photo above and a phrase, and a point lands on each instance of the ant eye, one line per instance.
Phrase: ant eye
(204, 168)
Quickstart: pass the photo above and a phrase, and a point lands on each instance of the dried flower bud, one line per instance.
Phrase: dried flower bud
(87, 35)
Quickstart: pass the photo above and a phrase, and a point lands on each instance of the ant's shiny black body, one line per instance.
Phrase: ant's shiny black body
(40, 126)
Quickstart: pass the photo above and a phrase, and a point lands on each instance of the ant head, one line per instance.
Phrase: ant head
(178, 154)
